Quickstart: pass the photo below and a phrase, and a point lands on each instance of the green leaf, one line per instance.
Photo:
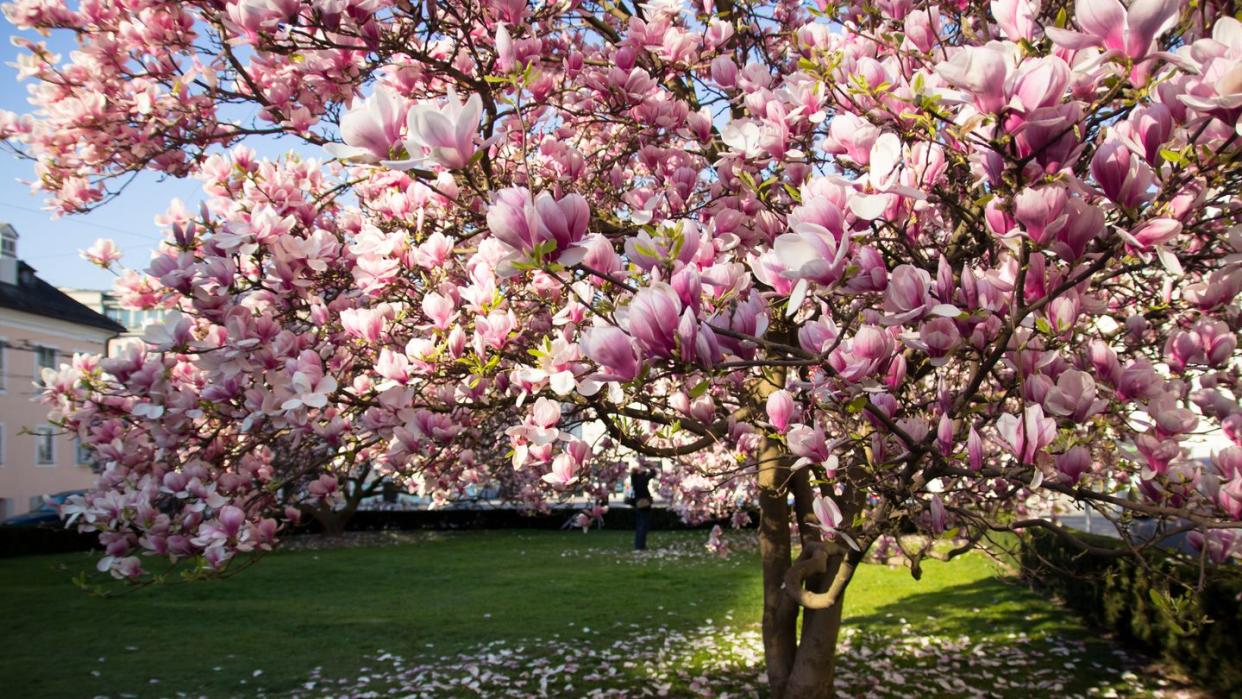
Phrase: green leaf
(1176, 157)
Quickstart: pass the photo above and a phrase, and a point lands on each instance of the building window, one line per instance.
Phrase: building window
(84, 455)
(45, 446)
(45, 358)
(8, 247)
(2, 444)
(4, 364)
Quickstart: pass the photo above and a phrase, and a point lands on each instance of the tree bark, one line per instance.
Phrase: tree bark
(780, 612)
(812, 672)
(332, 521)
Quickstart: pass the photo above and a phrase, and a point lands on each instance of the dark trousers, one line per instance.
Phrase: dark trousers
(642, 524)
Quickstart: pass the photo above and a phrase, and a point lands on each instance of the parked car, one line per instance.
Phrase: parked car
(45, 515)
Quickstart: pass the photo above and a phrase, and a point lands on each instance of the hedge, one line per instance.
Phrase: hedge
(25, 541)
(500, 518)
(1152, 607)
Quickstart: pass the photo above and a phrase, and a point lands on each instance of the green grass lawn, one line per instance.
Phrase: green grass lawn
(449, 600)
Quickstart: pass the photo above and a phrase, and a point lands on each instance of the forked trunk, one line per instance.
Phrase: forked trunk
(797, 668)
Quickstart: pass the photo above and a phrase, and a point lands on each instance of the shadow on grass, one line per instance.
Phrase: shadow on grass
(983, 608)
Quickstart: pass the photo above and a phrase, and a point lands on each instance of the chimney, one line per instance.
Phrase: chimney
(8, 254)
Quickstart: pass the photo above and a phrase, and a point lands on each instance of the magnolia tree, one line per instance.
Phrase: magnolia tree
(897, 263)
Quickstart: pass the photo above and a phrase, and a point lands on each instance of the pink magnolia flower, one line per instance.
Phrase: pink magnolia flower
(809, 443)
(173, 332)
(550, 226)
(562, 220)
(1228, 462)
(938, 337)
(309, 385)
(1083, 222)
(653, 319)
(371, 128)
(563, 473)
(1221, 544)
(981, 71)
(829, 519)
(937, 515)
(394, 366)
(1074, 463)
(1170, 419)
(1138, 380)
(908, 295)
(863, 355)
(1230, 497)
(102, 253)
(613, 350)
(1041, 212)
(810, 254)
(974, 450)
(1183, 348)
(363, 323)
(780, 408)
(494, 329)
(1110, 24)
(945, 430)
(1038, 83)
(1147, 129)
(506, 55)
(724, 71)
(1217, 341)
(1016, 18)
(1073, 396)
(1027, 435)
(439, 310)
(444, 133)
(1122, 177)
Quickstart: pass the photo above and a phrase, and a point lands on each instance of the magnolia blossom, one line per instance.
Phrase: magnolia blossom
(371, 128)
(780, 409)
(102, 253)
(1028, 434)
(830, 519)
(613, 350)
(563, 472)
(443, 133)
(1129, 31)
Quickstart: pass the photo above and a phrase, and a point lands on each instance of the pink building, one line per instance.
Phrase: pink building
(39, 327)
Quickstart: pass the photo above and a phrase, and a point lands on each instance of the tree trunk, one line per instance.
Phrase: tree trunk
(815, 667)
(780, 612)
(797, 668)
(332, 521)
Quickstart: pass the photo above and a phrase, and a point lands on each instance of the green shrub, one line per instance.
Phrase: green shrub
(1152, 604)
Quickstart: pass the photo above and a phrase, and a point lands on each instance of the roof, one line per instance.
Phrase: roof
(33, 295)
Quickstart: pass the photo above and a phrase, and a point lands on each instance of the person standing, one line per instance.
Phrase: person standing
(640, 485)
